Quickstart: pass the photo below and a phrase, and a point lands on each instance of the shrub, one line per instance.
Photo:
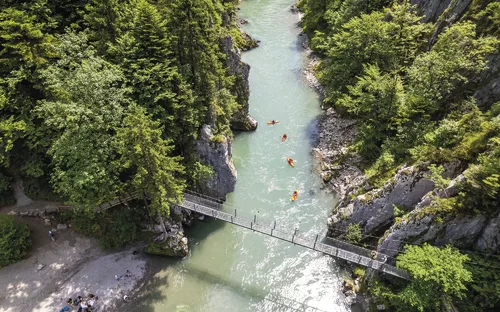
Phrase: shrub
(88, 222)
(15, 239)
(353, 233)
(123, 229)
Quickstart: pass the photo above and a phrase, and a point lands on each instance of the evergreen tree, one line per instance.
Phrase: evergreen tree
(143, 150)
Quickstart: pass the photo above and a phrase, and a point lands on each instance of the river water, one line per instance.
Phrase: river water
(234, 269)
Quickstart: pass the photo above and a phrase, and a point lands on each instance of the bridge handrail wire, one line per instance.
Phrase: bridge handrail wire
(338, 243)
(295, 238)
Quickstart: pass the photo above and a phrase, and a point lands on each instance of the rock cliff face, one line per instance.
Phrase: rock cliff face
(465, 231)
(375, 210)
(241, 119)
(218, 156)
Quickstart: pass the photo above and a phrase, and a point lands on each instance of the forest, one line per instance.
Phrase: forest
(411, 86)
(102, 96)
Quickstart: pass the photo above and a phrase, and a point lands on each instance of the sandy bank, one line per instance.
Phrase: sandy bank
(71, 266)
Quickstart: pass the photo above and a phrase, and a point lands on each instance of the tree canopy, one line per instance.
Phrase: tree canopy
(98, 97)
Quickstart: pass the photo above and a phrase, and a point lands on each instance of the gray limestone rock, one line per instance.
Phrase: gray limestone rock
(241, 119)
(375, 210)
(217, 155)
(489, 240)
(61, 227)
(466, 231)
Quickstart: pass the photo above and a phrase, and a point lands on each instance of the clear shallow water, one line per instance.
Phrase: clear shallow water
(234, 269)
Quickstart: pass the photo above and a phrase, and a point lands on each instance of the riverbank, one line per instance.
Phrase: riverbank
(335, 164)
(71, 266)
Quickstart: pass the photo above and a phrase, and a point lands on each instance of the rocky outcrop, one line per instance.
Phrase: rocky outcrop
(433, 9)
(375, 210)
(21, 198)
(453, 12)
(217, 154)
(241, 119)
(332, 159)
(174, 243)
(464, 231)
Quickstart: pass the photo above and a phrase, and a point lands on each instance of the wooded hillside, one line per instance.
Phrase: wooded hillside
(99, 96)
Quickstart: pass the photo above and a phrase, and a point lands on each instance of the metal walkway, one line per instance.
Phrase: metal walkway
(354, 253)
(336, 248)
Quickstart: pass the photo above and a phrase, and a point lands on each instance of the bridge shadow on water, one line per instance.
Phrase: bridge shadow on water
(255, 295)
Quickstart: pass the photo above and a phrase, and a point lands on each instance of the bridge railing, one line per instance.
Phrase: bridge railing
(332, 247)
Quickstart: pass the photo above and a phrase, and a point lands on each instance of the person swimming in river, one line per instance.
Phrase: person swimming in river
(285, 136)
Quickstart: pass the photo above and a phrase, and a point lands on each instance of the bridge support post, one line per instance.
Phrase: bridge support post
(232, 219)
(315, 241)
(235, 213)
(254, 218)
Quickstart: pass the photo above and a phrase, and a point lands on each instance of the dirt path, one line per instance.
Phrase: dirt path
(73, 265)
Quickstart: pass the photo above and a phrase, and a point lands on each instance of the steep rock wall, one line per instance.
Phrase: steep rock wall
(218, 156)
(375, 210)
(241, 119)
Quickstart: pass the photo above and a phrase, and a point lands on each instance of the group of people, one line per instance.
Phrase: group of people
(84, 304)
(290, 161)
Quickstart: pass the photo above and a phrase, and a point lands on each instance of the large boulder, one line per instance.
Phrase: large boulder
(216, 152)
(174, 245)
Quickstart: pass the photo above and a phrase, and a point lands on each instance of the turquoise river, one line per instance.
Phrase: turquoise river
(231, 269)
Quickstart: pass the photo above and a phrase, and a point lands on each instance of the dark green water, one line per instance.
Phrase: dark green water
(233, 269)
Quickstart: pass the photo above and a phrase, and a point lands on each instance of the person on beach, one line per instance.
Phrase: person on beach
(128, 274)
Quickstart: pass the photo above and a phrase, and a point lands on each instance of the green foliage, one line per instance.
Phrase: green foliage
(484, 289)
(436, 176)
(144, 151)
(74, 71)
(439, 274)
(114, 228)
(88, 222)
(359, 272)
(15, 239)
(353, 233)
(443, 267)
(84, 106)
(122, 229)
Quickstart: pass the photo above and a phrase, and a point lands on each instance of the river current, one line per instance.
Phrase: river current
(233, 269)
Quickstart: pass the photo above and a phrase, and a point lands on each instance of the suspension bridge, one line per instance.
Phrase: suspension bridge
(211, 207)
(335, 248)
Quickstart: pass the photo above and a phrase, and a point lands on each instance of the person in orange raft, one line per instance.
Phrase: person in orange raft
(295, 194)
(290, 162)
(285, 136)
